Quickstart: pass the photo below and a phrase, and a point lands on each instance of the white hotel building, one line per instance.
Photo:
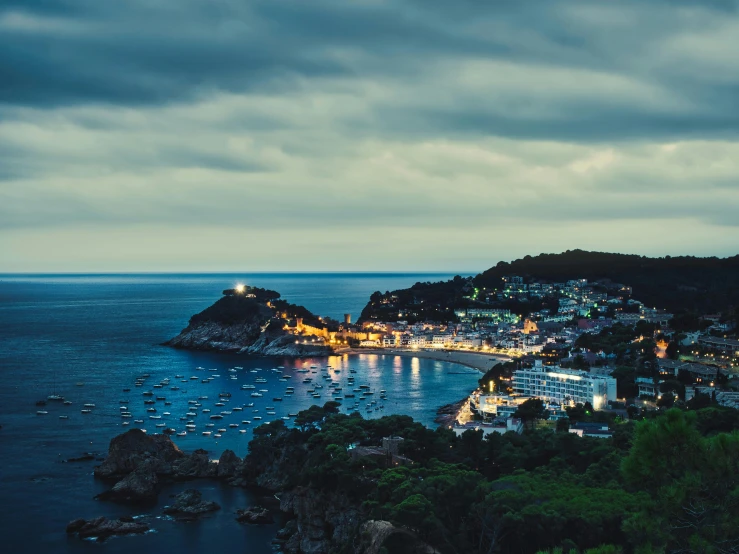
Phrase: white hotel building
(564, 386)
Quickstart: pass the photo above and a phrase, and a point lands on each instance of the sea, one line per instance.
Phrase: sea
(89, 337)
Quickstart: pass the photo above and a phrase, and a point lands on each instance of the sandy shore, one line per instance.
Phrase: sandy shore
(480, 361)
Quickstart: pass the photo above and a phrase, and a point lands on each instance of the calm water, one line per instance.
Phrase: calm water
(89, 337)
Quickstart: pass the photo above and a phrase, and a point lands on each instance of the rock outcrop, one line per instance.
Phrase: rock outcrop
(141, 486)
(196, 465)
(254, 515)
(137, 462)
(189, 505)
(229, 465)
(102, 528)
(134, 449)
(322, 520)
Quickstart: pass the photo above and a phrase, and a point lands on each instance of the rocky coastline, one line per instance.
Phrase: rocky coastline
(244, 338)
(249, 322)
(138, 464)
(447, 414)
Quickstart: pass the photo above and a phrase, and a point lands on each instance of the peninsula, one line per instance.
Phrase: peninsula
(253, 320)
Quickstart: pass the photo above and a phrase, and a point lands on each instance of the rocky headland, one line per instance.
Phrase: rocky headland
(253, 321)
(317, 521)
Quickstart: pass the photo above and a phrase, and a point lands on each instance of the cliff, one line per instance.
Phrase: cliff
(249, 321)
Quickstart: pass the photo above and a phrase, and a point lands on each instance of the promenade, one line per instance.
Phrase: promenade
(480, 361)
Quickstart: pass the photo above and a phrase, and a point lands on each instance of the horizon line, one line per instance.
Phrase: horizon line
(281, 272)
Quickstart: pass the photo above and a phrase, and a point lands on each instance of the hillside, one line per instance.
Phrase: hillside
(251, 321)
(677, 284)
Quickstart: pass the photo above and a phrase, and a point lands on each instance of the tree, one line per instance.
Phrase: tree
(692, 482)
(672, 350)
(563, 425)
(416, 513)
(531, 410)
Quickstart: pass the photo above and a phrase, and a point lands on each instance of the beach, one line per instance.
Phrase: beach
(480, 361)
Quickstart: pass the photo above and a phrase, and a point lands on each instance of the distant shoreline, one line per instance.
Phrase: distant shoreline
(479, 361)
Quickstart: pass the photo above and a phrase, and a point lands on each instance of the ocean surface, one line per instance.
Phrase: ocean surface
(89, 337)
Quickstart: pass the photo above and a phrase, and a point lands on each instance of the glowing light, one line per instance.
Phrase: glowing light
(240, 288)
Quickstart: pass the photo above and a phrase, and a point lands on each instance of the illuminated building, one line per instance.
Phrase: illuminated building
(564, 386)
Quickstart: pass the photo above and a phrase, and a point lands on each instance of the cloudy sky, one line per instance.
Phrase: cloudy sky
(171, 135)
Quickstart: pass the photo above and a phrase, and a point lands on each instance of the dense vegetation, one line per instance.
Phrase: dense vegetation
(421, 302)
(677, 284)
(666, 484)
(672, 283)
(258, 305)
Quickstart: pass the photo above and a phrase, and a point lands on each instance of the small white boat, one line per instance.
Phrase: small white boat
(217, 436)
(233, 425)
(138, 421)
(210, 424)
(41, 412)
(182, 434)
(67, 417)
(221, 430)
(206, 410)
(86, 411)
(206, 433)
(246, 422)
(161, 424)
(242, 430)
(89, 405)
(166, 413)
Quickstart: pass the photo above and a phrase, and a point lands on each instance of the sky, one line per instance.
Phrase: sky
(372, 135)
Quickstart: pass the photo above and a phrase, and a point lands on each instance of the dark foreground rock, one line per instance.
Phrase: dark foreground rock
(86, 457)
(138, 462)
(229, 465)
(323, 521)
(138, 487)
(133, 449)
(102, 528)
(190, 505)
(195, 466)
(254, 515)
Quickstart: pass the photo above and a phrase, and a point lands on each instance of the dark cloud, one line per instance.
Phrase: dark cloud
(75, 52)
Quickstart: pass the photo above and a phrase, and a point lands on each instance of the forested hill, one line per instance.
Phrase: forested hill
(677, 284)
(673, 283)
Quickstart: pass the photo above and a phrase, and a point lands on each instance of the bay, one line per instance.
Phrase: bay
(87, 337)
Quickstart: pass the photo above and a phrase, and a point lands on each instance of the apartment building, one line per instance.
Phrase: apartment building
(564, 386)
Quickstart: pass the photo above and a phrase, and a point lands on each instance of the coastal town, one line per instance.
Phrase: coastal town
(590, 347)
